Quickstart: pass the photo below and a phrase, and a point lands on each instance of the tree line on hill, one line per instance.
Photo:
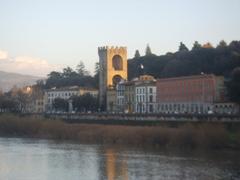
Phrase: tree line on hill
(70, 77)
(220, 60)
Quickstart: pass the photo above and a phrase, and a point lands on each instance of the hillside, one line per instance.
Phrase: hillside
(8, 80)
(220, 61)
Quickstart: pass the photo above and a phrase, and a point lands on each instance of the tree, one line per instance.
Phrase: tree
(67, 72)
(54, 74)
(60, 104)
(235, 46)
(222, 44)
(96, 74)
(81, 69)
(23, 100)
(219, 61)
(54, 79)
(148, 51)
(40, 83)
(69, 77)
(97, 68)
(196, 45)
(182, 47)
(85, 102)
(8, 104)
(137, 54)
(234, 86)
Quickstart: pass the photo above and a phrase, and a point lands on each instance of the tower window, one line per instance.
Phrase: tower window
(117, 62)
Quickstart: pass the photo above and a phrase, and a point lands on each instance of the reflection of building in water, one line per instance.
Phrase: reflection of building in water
(111, 160)
(115, 168)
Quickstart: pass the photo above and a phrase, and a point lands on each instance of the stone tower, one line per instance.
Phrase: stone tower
(113, 68)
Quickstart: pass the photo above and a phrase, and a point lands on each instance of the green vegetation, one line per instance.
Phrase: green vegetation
(60, 104)
(221, 60)
(85, 102)
(203, 136)
(234, 85)
(69, 77)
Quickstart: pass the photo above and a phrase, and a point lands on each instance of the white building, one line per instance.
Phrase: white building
(145, 95)
(120, 91)
(66, 93)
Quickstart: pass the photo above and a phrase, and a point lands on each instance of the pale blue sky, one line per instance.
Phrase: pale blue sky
(67, 31)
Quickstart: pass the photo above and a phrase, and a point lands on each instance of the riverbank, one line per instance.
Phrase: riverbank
(205, 135)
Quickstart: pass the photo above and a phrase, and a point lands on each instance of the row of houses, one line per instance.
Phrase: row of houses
(43, 101)
(198, 94)
(201, 94)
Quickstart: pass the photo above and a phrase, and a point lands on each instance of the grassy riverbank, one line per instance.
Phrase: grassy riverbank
(185, 136)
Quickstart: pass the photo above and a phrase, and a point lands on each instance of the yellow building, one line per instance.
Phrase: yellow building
(91, 91)
(113, 68)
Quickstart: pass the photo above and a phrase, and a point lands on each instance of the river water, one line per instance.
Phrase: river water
(30, 159)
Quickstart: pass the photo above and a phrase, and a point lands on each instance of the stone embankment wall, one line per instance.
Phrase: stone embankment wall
(129, 118)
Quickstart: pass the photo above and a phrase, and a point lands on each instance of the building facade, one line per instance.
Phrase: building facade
(145, 95)
(120, 89)
(113, 68)
(129, 96)
(189, 94)
(66, 93)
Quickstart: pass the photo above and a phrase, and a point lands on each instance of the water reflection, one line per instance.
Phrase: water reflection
(28, 159)
(115, 167)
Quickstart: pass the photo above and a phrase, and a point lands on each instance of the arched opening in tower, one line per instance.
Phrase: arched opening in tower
(116, 79)
(117, 63)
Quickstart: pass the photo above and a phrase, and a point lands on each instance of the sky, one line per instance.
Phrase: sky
(39, 36)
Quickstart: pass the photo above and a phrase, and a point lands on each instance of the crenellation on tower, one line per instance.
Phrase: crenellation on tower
(114, 49)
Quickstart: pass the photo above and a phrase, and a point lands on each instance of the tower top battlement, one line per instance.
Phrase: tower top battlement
(112, 48)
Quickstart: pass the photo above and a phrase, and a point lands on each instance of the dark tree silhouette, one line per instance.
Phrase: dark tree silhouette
(60, 104)
(81, 69)
(148, 51)
(182, 47)
(137, 54)
(196, 45)
(222, 44)
(234, 85)
(85, 103)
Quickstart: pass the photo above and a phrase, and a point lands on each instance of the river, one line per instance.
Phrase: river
(30, 159)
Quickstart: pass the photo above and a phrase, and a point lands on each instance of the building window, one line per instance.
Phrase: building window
(150, 90)
(117, 62)
(150, 98)
(166, 107)
(150, 108)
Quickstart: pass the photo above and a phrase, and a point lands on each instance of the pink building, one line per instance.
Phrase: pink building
(189, 94)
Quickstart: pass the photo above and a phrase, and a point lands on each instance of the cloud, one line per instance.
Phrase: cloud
(3, 55)
(26, 65)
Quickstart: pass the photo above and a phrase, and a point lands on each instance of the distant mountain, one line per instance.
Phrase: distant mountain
(8, 80)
